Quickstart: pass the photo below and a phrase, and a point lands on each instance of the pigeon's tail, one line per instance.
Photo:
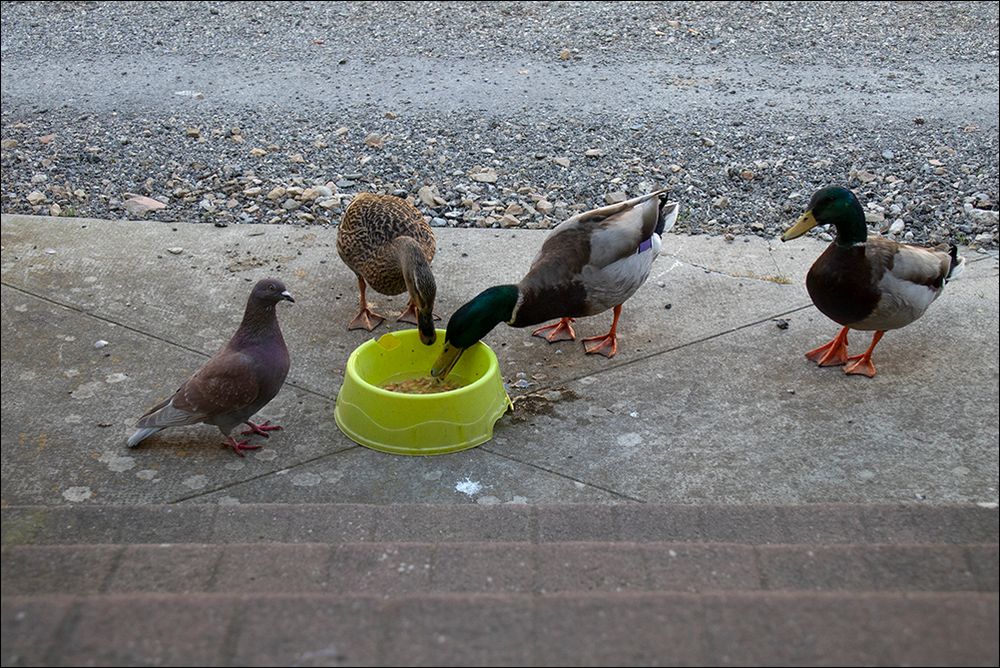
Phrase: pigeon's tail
(142, 434)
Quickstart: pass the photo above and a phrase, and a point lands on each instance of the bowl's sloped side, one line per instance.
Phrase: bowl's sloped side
(428, 424)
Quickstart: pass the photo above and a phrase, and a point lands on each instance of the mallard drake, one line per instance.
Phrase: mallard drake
(867, 282)
(387, 244)
(589, 263)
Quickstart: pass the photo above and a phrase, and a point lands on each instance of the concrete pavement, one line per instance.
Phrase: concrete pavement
(708, 400)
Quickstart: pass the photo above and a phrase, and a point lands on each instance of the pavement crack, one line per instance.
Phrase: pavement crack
(563, 475)
(116, 323)
(236, 483)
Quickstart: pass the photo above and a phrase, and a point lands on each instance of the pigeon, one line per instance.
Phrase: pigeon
(236, 382)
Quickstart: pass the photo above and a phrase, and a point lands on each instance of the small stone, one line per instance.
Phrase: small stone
(708, 142)
(897, 227)
(615, 197)
(438, 222)
(100, 343)
(175, 250)
(487, 175)
(194, 132)
(340, 132)
(8, 144)
(374, 141)
(544, 206)
(277, 193)
(508, 221)
(296, 157)
(565, 54)
(258, 152)
(593, 153)
(562, 162)
(888, 155)
(781, 323)
(35, 198)
(721, 202)
(746, 175)
(55, 210)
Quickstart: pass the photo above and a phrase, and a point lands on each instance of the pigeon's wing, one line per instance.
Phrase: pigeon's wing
(227, 383)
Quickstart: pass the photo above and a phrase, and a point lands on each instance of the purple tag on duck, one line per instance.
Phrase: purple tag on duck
(645, 245)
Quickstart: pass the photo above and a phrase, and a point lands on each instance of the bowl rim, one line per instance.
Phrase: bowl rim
(351, 369)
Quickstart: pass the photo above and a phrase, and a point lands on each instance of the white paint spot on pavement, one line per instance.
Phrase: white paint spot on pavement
(306, 479)
(117, 463)
(629, 439)
(87, 390)
(77, 494)
(468, 487)
(195, 481)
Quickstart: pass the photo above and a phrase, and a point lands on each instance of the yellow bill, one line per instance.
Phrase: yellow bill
(806, 222)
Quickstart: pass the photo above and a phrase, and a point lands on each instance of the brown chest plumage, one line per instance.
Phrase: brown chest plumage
(841, 284)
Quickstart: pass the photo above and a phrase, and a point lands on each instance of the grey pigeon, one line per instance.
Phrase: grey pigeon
(237, 382)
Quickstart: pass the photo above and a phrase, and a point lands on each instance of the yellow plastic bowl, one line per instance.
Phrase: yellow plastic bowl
(419, 424)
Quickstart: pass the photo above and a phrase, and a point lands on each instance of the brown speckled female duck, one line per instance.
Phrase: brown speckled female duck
(386, 242)
(867, 282)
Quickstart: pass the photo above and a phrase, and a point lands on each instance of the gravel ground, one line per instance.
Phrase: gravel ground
(504, 114)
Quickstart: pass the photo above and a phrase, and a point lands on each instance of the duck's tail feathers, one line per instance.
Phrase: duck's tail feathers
(957, 264)
(668, 215)
(142, 434)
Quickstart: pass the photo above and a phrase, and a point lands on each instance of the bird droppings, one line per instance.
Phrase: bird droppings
(195, 481)
(468, 487)
(77, 494)
(306, 479)
(117, 463)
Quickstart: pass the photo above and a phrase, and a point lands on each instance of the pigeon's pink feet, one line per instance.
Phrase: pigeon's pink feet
(261, 428)
(561, 331)
(239, 446)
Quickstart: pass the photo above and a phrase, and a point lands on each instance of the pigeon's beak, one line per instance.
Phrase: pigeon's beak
(288, 295)
(805, 223)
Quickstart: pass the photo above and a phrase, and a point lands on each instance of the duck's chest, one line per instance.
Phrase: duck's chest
(841, 284)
